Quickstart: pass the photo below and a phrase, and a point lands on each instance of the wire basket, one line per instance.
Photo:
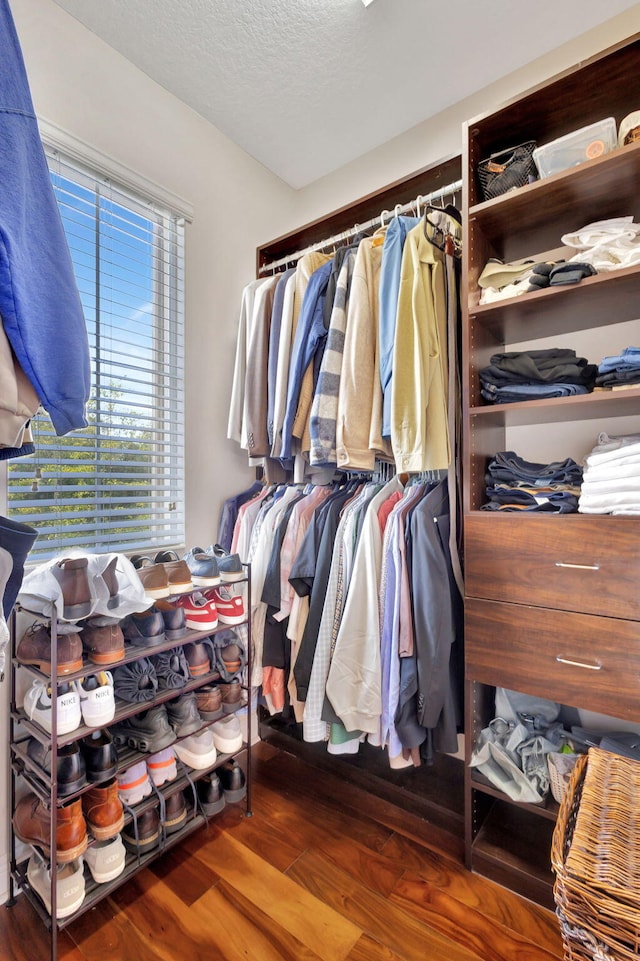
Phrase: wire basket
(560, 768)
(595, 855)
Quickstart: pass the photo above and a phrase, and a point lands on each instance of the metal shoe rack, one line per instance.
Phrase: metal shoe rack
(25, 771)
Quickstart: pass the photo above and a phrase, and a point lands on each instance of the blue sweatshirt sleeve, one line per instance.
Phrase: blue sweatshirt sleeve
(39, 301)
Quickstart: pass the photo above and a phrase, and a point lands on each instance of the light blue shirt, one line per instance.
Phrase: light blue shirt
(394, 239)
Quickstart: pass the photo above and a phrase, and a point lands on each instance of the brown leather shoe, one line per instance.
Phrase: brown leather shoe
(102, 639)
(209, 701)
(142, 834)
(231, 696)
(72, 575)
(31, 824)
(35, 648)
(103, 811)
(179, 576)
(198, 655)
(153, 578)
(231, 659)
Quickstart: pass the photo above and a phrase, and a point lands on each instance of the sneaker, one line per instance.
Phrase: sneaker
(153, 578)
(200, 614)
(142, 834)
(105, 859)
(97, 700)
(37, 707)
(134, 784)
(210, 794)
(227, 734)
(162, 766)
(230, 607)
(229, 565)
(35, 645)
(203, 567)
(232, 780)
(70, 889)
(197, 751)
(175, 813)
(102, 640)
(183, 714)
(148, 731)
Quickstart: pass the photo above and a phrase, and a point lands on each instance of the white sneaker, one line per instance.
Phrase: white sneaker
(37, 706)
(69, 885)
(197, 750)
(227, 734)
(97, 700)
(106, 859)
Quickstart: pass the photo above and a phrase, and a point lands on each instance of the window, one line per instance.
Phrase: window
(118, 485)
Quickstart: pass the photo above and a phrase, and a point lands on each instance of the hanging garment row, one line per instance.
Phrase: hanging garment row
(356, 614)
(351, 356)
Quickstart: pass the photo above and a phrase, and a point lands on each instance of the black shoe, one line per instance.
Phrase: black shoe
(148, 731)
(232, 781)
(100, 757)
(72, 773)
(210, 794)
(136, 682)
(183, 714)
(175, 813)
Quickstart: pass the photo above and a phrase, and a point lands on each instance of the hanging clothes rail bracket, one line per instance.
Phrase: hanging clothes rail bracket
(413, 205)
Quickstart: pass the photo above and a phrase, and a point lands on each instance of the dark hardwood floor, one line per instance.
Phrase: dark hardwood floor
(319, 873)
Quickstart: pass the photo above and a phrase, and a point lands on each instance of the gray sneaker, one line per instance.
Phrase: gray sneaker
(149, 731)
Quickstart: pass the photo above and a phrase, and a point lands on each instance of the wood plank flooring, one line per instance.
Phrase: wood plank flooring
(321, 872)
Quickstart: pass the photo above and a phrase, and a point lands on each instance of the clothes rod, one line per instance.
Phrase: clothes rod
(375, 222)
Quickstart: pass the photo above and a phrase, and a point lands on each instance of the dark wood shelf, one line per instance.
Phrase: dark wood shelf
(594, 190)
(564, 309)
(547, 809)
(596, 405)
(514, 849)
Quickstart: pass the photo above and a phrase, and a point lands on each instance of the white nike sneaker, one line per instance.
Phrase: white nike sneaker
(37, 706)
(97, 700)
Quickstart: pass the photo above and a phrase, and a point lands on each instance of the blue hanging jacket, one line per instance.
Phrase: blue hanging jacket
(40, 304)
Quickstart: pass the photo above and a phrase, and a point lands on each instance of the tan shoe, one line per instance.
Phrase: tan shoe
(103, 810)
(35, 648)
(32, 825)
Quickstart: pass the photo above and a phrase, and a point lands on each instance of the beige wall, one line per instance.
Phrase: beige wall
(84, 87)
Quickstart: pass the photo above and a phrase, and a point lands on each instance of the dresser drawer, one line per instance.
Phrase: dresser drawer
(577, 659)
(571, 562)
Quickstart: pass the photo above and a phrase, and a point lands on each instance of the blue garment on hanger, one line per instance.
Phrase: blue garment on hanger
(39, 301)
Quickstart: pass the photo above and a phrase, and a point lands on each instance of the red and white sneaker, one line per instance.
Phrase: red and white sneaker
(200, 613)
(230, 606)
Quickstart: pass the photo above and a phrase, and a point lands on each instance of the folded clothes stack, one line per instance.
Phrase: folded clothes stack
(612, 476)
(500, 281)
(606, 244)
(535, 374)
(620, 371)
(514, 484)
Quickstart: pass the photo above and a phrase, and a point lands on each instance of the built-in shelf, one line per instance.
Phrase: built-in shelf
(596, 405)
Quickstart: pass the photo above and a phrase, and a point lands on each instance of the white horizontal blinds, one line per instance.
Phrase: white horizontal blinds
(119, 484)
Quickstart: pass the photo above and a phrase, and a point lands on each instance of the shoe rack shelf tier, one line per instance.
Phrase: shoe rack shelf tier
(45, 787)
(551, 604)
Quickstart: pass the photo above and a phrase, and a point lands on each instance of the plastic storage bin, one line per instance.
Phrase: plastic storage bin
(584, 144)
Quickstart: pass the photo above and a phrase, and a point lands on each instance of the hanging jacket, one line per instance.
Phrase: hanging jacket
(39, 300)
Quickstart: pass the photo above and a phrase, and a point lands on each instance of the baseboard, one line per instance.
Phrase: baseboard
(4, 878)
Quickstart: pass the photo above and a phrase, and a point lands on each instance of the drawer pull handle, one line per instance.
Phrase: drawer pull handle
(580, 567)
(588, 667)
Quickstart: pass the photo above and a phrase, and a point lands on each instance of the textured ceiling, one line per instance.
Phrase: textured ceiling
(305, 86)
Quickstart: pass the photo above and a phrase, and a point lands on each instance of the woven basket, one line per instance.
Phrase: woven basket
(560, 768)
(595, 854)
